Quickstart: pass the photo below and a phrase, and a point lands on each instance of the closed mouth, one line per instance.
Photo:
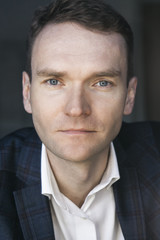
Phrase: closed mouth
(77, 131)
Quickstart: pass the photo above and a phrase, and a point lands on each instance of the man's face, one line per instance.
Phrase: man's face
(78, 93)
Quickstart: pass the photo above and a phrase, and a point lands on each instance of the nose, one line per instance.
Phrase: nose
(77, 104)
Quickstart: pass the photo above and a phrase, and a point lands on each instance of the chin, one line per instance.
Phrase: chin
(75, 156)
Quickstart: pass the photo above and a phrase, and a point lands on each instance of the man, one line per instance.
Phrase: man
(68, 179)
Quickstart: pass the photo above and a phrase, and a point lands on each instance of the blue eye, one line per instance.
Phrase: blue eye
(103, 83)
(53, 82)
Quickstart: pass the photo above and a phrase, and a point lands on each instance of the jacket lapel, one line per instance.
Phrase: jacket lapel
(128, 198)
(32, 207)
(137, 191)
(129, 205)
(34, 213)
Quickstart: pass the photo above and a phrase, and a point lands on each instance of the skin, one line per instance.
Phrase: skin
(77, 97)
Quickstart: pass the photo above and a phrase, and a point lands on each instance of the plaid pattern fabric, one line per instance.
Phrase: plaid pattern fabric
(137, 194)
(25, 213)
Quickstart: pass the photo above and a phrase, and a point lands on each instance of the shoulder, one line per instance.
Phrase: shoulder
(138, 149)
(136, 128)
(14, 141)
(139, 132)
(17, 136)
(12, 144)
(143, 126)
(11, 163)
(140, 142)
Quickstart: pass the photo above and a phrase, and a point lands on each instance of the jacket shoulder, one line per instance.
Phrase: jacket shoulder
(139, 131)
(17, 136)
(10, 148)
(11, 145)
(138, 149)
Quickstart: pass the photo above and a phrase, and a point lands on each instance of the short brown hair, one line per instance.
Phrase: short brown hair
(92, 14)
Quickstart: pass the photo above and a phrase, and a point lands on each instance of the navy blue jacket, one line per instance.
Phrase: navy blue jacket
(25, 213)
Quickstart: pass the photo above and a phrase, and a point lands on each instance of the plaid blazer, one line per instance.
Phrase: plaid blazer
(25, 213)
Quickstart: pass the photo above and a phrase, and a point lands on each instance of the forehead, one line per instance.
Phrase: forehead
(73, 43)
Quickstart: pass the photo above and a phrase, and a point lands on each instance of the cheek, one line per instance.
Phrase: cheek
(109, 106)
(110, 113)
(46, 111)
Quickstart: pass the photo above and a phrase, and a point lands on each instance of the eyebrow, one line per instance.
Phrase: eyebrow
(108, 73)
(50, 73)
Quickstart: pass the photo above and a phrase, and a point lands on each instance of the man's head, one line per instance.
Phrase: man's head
(94, 15)
(79, 92)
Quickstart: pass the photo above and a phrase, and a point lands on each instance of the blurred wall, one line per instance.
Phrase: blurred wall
(15, 18)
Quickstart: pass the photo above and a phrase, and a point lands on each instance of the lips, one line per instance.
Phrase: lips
(77, 131)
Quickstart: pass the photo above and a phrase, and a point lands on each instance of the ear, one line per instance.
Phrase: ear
(26, 92)
(131, 92)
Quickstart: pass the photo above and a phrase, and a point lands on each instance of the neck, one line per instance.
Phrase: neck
(77, 179)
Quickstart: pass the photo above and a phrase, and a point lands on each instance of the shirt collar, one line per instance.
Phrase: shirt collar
(48, 181)
(111, 174)
(50, 187)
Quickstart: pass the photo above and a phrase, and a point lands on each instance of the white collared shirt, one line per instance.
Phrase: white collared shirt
(96, 219)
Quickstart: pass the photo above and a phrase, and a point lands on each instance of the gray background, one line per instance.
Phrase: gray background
(15, 18)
